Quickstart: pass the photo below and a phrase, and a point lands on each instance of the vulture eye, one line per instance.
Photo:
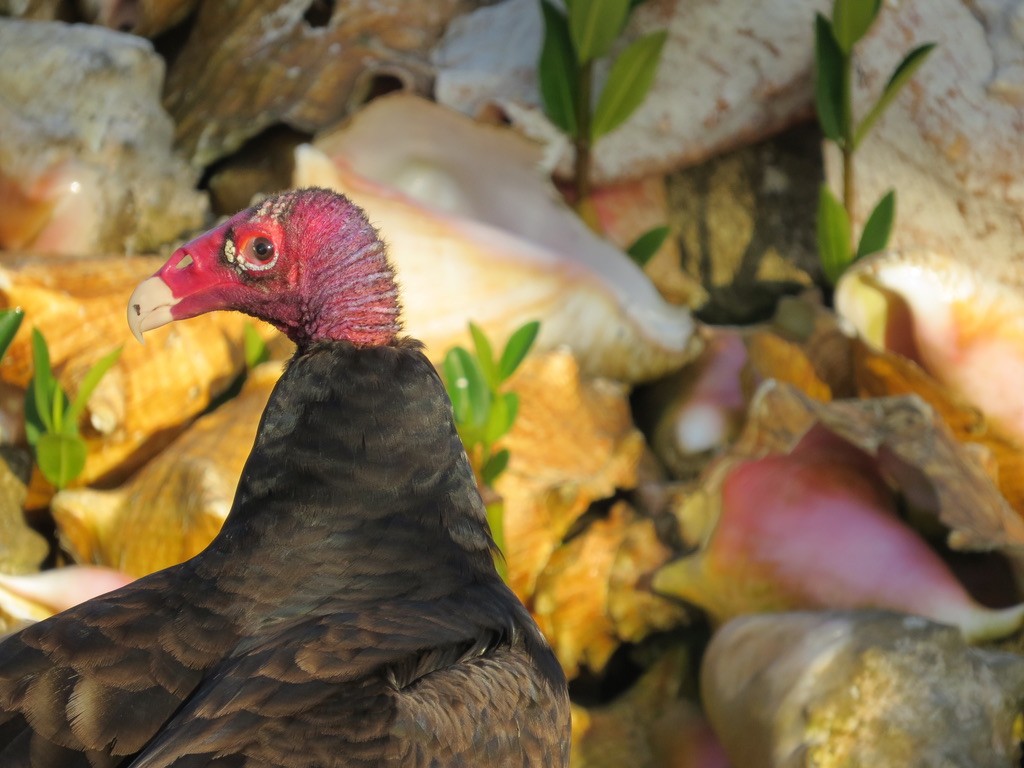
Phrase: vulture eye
(258, 254)
(262, 249)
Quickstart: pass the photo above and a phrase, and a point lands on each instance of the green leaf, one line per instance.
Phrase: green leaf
(43, 383)
(497, 421)
(494, 467)
(900, 77)
(833, 235)
(645, 246)
(851, 20)
(61, 458)
(256, 350)
(829, 77)
(86, 388)
(516, 348)
(477, 391)
(558, 71)
(878, 227)
(628, 82)
(512, 407)
(484, 355)
(457, 385)
(504, 408)
(10, 322)
(594, 25)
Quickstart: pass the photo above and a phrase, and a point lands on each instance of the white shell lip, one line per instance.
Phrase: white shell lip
(150, 306)
(474, 226)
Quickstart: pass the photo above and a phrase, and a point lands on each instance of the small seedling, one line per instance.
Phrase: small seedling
(51, 419)
(10, 322)
(483, 411)
(573, 41)
(833, 59)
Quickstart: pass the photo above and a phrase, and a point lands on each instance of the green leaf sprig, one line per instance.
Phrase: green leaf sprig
(573, 41)
(51, 419)
(483, 411)
(833, 65)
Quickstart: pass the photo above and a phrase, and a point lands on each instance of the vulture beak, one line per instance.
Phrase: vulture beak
(190, 283)
(150, 306)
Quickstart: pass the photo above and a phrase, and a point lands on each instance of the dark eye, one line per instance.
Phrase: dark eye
(262, 248)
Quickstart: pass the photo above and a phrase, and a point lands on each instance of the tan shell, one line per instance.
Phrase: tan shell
(476, 232)
(589, 598)
(153, 390)
(252, 64)
(573, 443)
(176, 504)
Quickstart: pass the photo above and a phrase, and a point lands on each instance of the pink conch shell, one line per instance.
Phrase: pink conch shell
(475, 231)
(32, 597)
(816, 528)
(965, 327)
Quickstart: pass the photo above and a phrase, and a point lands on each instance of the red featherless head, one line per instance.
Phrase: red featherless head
(307, 261)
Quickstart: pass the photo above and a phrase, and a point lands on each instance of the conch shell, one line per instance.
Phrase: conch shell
(592, 596)
(573, 443)
(814, 525)
(476, 232)
(37, 596)
(963, 325)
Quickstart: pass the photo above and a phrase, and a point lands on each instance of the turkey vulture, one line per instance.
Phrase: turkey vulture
(349, 612)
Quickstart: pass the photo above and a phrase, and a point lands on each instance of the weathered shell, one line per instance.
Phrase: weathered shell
(22, 549)
(154, 389)
(251, 64)
(86, 165)
(856, 689)
(591, 596)
(573, 443)
(475, 231)
(747, 75)
(174, 506)
(950, 143)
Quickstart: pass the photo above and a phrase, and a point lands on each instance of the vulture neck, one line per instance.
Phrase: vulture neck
(358, 473)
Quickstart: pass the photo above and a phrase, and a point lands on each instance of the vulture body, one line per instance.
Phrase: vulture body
(349, 612)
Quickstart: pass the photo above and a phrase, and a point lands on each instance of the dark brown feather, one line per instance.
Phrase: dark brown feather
(348, 614)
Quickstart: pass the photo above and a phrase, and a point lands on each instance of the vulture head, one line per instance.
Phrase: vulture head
(306, 261)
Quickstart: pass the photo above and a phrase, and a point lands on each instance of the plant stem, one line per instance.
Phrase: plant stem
(847, 147)
(581, 170)
(848, 187)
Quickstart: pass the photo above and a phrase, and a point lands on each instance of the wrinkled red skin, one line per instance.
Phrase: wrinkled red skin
(318, 284)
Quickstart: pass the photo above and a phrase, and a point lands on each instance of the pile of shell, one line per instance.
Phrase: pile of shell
(770, 545)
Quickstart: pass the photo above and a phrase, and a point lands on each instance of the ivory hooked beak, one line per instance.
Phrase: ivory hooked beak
(150, 306)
